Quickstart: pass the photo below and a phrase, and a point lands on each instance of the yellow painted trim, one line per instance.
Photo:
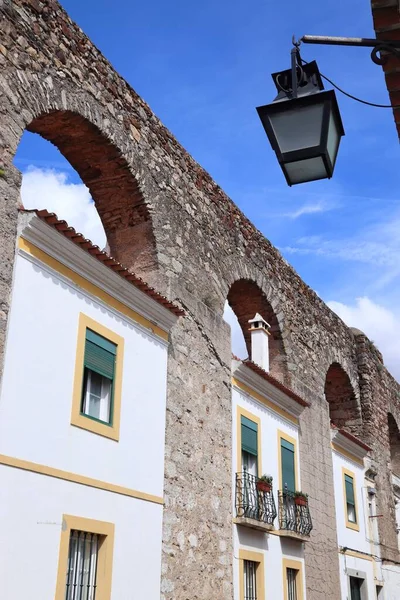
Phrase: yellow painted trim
(264, 400)
(77, 418)
(105, 555)
(239, 412)
(347, 454)
(93, 289)
(298, 566)
(257, 557)
(25, 465)
(356, 554)
(355, 526)
(291, 440)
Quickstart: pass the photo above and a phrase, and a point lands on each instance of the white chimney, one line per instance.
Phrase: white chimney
(259, 329)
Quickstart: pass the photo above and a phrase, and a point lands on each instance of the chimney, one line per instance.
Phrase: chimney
(259, 329)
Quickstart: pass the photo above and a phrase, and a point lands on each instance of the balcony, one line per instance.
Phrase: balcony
(294, 518)
(255, 507)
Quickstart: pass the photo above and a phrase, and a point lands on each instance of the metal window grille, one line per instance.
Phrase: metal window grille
(250, 580)
(291, 575)
(82, 566)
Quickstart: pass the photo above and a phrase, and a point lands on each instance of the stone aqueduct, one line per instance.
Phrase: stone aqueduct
(167, 219)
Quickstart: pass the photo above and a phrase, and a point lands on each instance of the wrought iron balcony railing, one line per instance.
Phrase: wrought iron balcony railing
(253, 502)
(293, 516)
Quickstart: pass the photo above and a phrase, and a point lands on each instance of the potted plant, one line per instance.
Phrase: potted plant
(300, 498)
(264, 483)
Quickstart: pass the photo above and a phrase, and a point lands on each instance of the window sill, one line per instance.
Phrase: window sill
(95, 427)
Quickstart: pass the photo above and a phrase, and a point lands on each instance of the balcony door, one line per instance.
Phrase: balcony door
(288, 466)
(249, 449)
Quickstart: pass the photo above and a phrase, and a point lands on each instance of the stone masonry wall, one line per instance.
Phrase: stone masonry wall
(166, 218)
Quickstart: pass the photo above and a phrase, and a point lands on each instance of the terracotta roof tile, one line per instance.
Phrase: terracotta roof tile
(86, 245)
(352, 438)
(275, 382)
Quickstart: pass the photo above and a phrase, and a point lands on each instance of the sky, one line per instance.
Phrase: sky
(203, 67)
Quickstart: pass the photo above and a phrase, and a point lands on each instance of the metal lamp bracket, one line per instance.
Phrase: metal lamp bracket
(379, 52)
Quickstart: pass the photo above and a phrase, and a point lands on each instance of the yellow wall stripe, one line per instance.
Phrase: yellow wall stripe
(265, 401)
(26, 465)
(83, 283)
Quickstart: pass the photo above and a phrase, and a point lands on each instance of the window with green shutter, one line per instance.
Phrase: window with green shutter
(249, 436)
(288, 465)
(350, 499)
(99, 371)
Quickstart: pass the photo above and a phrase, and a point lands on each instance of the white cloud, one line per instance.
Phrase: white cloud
(51, 189)
(312, 208)
(237, 339)
(380, 324)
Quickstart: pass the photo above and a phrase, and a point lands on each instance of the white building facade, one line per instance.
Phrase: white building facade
(272, 521)
(82, 424)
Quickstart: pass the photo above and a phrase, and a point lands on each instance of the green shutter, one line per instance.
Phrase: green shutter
(249, 436)
(288, 465)
(349, 483)
(100, 354)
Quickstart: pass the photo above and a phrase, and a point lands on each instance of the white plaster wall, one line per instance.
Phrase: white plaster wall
(31, 511)
(357, 564)
(391, 579)
(35, 407)
(273, 547)
(355, 540)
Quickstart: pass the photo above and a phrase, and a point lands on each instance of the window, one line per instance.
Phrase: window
(292, 579)
(251, 575)
(379, 592)
(250, 580)
(291, 576)
(249, 437)
(82, 566)
(85, 559)
(98, 381)
(287, 454)
(96, 403)
(350, 501)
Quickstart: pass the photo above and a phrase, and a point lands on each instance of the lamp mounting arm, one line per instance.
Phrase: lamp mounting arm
(378, 46)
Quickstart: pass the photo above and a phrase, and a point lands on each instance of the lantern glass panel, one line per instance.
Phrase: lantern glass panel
(309, 169)
(298, 128)
(333, 138)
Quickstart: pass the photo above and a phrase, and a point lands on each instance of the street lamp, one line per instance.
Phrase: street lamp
(303, 123)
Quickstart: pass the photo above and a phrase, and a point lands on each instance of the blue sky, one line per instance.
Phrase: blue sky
(203, 68)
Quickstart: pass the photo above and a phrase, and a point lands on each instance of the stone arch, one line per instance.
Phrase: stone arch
(118, 199)
(344, 407)
(394, 443)
(246, 298)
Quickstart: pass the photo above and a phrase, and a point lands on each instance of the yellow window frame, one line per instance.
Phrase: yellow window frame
(105, 554)
(257, 557)
(77, 418)
(284, 436)
(288, 563)
(245, 413)
(355, 526)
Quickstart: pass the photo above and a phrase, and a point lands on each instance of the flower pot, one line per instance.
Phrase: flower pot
(263, 486)
(300, 501)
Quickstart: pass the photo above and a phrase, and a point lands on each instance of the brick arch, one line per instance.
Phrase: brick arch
(119, 201)
(394, 443)
(246, 298)
(344, 406)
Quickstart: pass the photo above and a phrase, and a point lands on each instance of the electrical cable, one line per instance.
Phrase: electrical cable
(351, 95)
